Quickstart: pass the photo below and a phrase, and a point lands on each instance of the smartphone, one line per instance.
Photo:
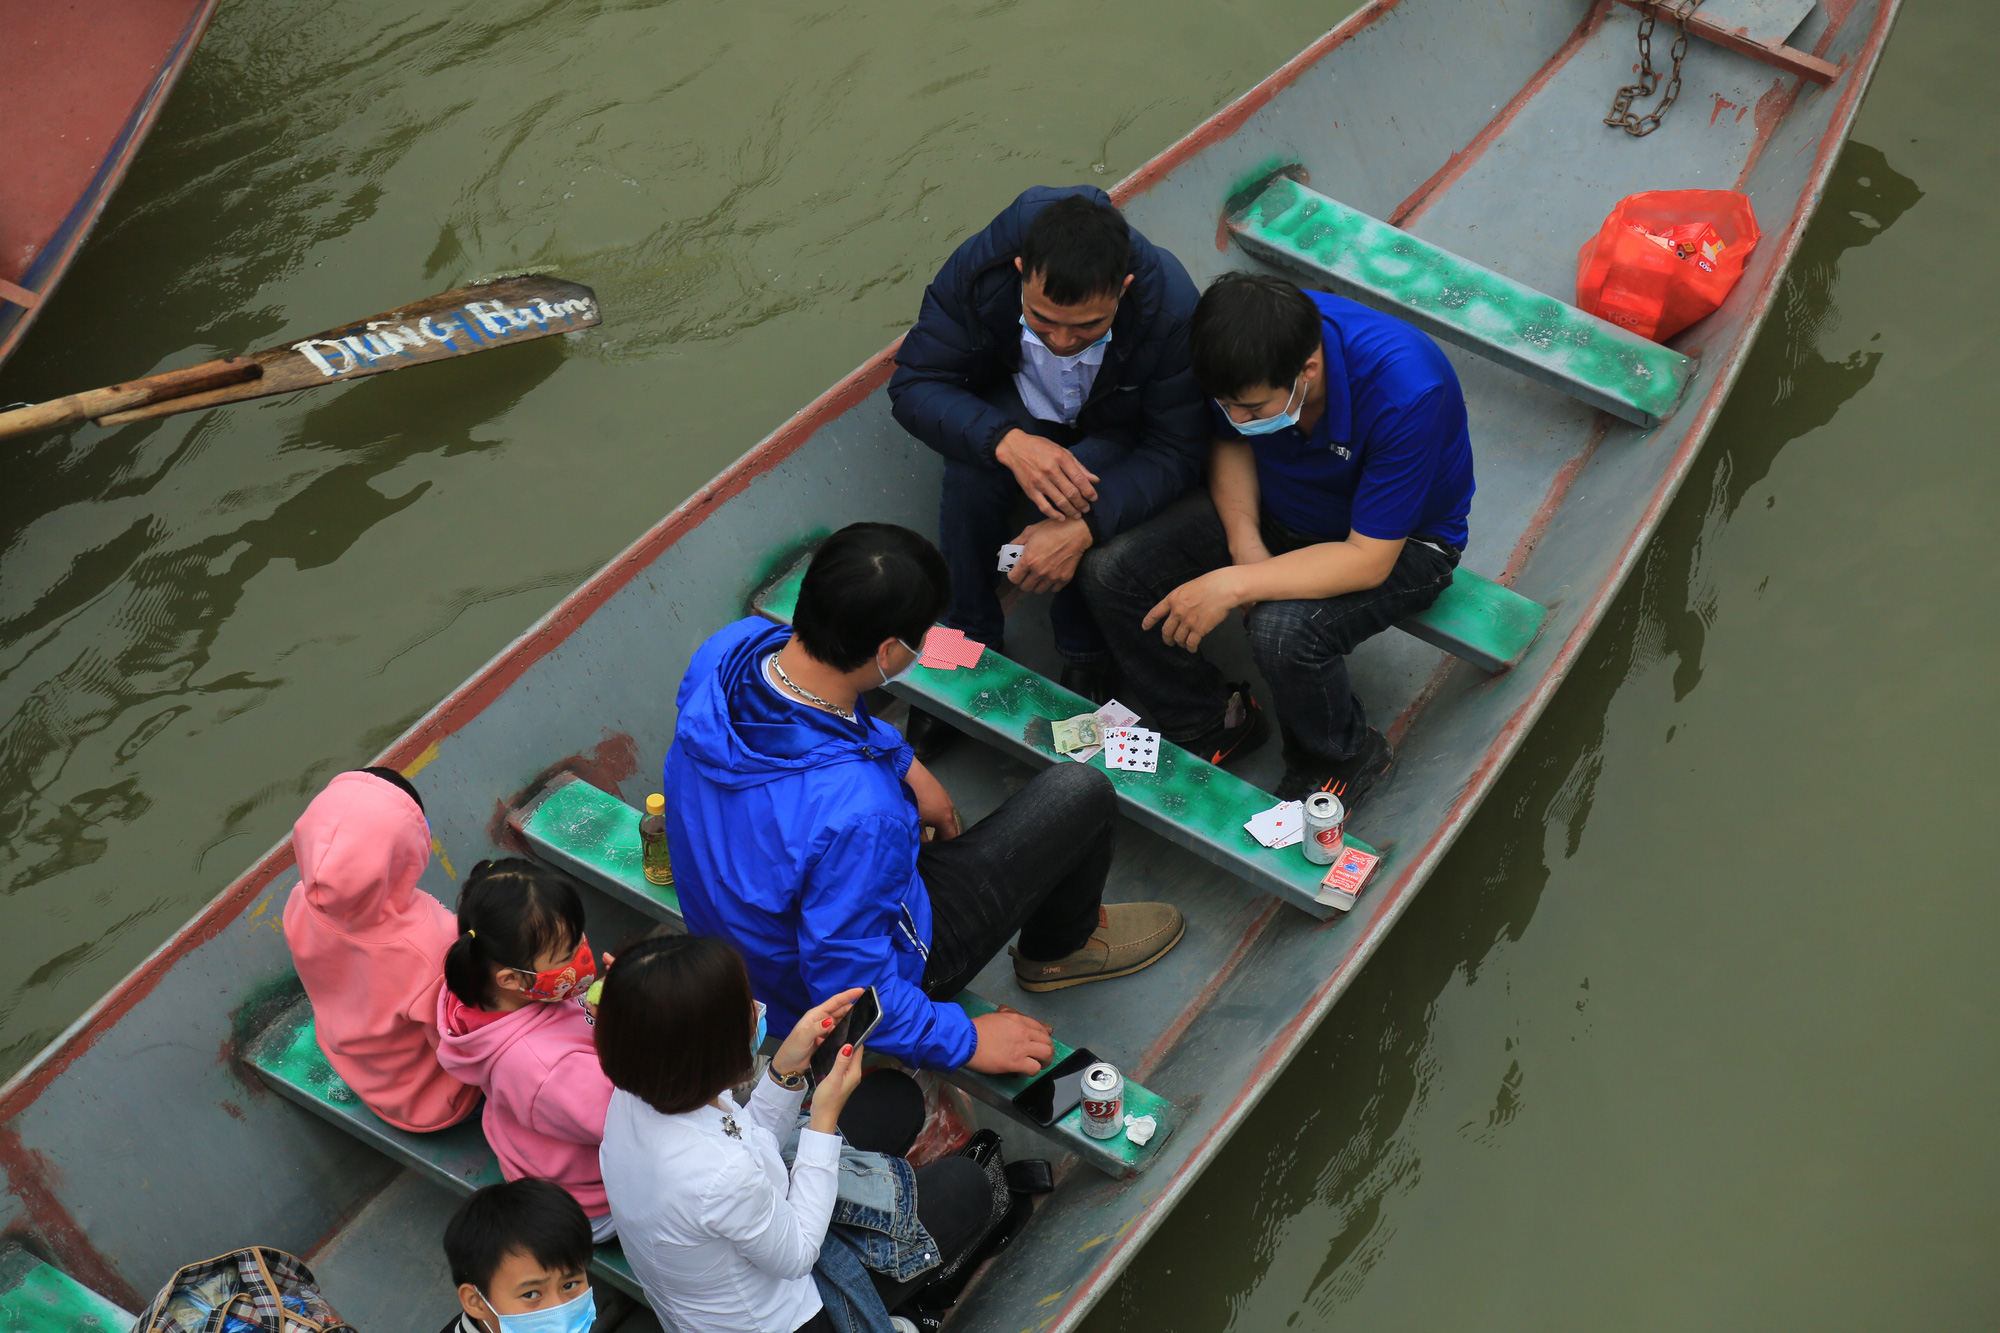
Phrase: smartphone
(855, 1027)
(1057, 1091)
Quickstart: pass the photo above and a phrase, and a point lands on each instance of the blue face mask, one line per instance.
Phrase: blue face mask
(575, 1315)
(757, 1037)
(1052, 351)
(1285, 420)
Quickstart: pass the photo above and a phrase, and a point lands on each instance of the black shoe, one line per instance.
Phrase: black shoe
(1095, 681)
(1227, 739)
(929, 736)
(1350, 778)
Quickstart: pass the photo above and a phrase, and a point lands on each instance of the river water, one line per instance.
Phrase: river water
(1695, 1027)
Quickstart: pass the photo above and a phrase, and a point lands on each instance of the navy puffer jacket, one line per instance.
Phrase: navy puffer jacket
(967, 340)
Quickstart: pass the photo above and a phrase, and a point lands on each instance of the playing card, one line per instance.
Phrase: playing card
(1280, 826)
(966, 652)
(1132, 749)
(943, 649)
(1076, 733)
(1010, 555)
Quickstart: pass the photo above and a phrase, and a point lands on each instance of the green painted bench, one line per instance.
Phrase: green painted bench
(39, 1298)
(595, 836)
(1189, 801)
(1454, 299)
(288, 1058)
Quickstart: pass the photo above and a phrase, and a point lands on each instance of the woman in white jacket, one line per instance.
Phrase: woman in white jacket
(721, 1236)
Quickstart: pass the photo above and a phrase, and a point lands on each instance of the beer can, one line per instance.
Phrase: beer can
(1103, 1100)
(1326, 828)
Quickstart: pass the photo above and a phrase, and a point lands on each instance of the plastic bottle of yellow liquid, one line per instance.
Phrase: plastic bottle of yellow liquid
(653, 841)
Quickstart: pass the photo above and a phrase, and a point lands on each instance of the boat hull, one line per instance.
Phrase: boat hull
(80, 88)
(1473, 126)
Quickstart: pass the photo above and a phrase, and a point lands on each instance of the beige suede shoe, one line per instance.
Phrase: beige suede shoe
(1129, 936)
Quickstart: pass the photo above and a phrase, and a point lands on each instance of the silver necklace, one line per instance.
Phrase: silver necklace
(771, 663)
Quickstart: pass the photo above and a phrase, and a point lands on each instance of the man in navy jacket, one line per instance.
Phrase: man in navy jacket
(796, 822)
(1050, 361)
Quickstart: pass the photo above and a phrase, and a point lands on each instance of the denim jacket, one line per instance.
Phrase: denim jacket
(876, 1208)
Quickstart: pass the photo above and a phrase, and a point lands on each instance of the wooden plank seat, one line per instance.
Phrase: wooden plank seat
(1366, 260)
(288, 1058)
(40, 1298)
(595, 836)
(1189, 801)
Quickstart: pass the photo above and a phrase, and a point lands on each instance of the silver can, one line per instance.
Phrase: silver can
(1103, 1100)
(1326, 828)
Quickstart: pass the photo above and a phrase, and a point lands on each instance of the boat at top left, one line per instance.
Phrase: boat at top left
(81, 83)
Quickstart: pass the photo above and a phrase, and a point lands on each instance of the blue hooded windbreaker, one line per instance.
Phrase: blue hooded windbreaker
(794, 837)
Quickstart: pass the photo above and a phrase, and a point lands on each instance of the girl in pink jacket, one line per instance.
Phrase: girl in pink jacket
(512, 1021)
(369, 946)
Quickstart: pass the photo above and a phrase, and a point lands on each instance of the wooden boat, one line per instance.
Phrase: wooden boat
(149, 1133)
(80, 88)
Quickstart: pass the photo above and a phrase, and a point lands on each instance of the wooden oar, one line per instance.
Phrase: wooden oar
(437, 328)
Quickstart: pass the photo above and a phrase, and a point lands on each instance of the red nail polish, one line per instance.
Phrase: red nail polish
(826, 1022)
(847, 1050)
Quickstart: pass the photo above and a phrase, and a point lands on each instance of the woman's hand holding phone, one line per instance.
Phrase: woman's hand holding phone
(833, 1091)
(795, 1053)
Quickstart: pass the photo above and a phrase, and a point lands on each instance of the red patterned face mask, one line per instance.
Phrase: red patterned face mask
(559, 983)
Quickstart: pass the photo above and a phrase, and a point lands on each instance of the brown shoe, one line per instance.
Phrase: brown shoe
(1129, 936)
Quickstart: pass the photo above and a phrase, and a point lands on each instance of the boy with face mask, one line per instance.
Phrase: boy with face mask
(518, 1253)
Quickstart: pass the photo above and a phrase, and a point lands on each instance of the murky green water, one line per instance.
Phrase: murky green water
(1694, 1029)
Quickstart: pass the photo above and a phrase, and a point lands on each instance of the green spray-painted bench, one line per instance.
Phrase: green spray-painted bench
(1189, 801)
(288, 1058)
(595, 836)
(40, 1298)
(1530, 332)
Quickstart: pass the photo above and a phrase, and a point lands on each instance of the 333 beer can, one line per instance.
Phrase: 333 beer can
(1326, 828)
(1103, 1100)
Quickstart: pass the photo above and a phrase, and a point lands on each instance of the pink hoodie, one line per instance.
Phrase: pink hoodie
(370, 949)
(546, 1095)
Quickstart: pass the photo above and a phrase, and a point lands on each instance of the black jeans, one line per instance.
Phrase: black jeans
(954, 1197)
(1300, 647)
(1036, 865)
(977, 513)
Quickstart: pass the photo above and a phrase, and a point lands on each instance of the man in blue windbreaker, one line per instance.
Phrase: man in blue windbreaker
(796, 821)
(1049, 364)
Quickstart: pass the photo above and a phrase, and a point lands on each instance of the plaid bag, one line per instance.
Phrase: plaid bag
(256, 1290)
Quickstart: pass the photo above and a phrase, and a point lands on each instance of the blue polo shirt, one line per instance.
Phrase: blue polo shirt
(1390, 457)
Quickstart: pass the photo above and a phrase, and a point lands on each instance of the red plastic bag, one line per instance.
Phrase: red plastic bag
(1664, 259)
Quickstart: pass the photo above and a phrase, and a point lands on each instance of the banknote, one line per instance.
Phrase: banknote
(1077, 733)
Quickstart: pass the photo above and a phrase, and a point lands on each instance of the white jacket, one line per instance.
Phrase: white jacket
(719, 1237)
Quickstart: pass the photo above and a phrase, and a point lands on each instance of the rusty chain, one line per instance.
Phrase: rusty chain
(1621, 106)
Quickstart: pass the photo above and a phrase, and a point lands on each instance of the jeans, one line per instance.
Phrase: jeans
(1036, 865)
(1300, 647)
(954, 1197)
(976, 516)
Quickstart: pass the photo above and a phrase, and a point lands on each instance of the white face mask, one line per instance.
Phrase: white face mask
(916, 656)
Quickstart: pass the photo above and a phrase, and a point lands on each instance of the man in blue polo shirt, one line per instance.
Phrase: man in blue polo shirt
(1339, 481)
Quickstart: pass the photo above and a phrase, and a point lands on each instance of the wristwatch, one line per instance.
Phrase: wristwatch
(789, 1082)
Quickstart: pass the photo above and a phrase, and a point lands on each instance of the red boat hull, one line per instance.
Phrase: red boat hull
(80, 86)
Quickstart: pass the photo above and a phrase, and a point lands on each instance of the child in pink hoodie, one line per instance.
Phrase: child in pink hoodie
(369, 946)
(512, 1020)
